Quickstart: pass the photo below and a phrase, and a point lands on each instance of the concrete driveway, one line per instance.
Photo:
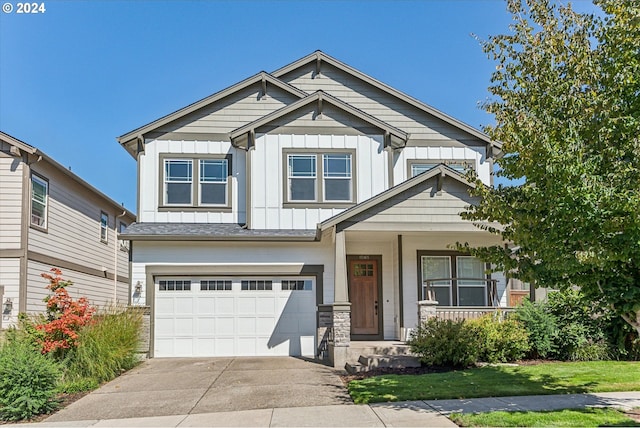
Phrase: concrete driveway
(182, 386)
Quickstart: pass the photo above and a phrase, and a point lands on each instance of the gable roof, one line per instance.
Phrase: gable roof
(127, 140)
(439, 171)
(21, 145)
(321, 97)
(319, 57)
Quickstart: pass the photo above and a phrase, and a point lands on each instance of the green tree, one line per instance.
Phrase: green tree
(566, 102)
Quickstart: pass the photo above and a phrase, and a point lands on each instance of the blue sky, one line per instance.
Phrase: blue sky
(77, 76)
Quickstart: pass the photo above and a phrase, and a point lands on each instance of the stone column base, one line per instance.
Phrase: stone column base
(426, 310)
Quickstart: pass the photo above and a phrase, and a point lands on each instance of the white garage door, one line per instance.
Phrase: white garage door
(234, 317)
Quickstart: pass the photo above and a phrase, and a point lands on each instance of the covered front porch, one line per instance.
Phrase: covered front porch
(397, 250)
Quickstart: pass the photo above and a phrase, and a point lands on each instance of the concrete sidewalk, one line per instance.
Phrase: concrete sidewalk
(430, 413)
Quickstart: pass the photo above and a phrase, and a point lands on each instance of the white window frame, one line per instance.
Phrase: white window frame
(449, 284)
(104, 227)
(224, 182)
(45, 217)
(167, 180)
(483, 284)
(326, 177)
(313, 177)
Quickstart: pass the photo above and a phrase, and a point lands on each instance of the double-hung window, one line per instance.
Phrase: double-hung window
(200, 182)
(178, 181)
(454, 279)
(39, 201)
(213, 181)
(320, 177)
(336, 172)
(104, 226)
(302, 178)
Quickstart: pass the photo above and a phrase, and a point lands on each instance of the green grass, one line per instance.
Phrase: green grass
(557, 418)
(496, 381)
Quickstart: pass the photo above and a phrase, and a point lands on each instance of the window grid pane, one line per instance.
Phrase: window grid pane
(337, 177)
(174, 285)
(302, 165)
(296, 285)
(256, 285)
(178, 180)
(104, 225)
(419, 168)
(213, 171)
(39, 190)
(215, 285)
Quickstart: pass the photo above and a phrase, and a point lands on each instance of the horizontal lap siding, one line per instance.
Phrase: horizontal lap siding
(99, 291)
(232, 112)
(10, 279)
(423, 205)
(269, 175)
(151, 176)
(11, 170)
(73, 225)
(375, 102)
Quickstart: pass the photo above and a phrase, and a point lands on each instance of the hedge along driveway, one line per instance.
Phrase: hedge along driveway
(497, 381)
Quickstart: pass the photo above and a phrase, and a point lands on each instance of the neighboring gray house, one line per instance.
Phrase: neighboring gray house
(50, 217)
(303, 209)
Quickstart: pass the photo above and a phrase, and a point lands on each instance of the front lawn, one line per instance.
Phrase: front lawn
(497, 381)
(558, 418)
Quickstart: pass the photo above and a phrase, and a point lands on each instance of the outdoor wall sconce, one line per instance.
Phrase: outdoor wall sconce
(7, 307)
(138, 288)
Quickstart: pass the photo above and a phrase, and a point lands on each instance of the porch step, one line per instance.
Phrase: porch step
(389, 361)
(377, 348)
(372, 362)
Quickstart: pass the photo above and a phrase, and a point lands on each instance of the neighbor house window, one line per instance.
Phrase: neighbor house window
(418, 166)
(39, 201)
(320, 177)
(213, 181)
(453, 279)
(104, 226)
(178, 179)
(123, 243)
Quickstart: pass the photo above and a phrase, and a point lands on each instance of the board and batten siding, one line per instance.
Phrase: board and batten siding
(11, 170)
(151, 176)
(10, 279)
(375, 102)
(476, 155)
(217, 257)
(73, 225)
(269, 169)
(99, 291)
(231, 112)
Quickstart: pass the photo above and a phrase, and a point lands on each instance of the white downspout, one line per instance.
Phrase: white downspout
(115, 257)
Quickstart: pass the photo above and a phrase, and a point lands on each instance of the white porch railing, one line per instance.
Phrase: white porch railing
(457, 313)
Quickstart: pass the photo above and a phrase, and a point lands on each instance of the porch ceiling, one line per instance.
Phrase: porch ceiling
(474, 237)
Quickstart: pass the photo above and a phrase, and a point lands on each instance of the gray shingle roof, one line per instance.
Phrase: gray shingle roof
(211, 232)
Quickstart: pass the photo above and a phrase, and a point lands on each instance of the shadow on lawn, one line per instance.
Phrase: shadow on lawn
(490, 381)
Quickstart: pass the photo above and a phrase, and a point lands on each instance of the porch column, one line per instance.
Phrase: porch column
(341, 305)
(426, 310)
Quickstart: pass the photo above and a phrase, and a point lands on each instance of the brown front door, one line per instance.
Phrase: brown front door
(363, 289)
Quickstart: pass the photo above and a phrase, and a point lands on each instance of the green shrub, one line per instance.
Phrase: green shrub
(591, 351)
(445, 343)
(501, 341)
(107, 346)
(541, 327)
(27, 381)
(74, 386)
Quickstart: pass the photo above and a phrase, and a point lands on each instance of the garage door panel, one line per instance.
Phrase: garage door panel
(246, 305)
(184, 327)
(205, 326)
(234, 322)
(224, 305)
(183, 305)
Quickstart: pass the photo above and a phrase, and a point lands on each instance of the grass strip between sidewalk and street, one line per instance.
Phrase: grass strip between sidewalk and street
(589, 417)
(500, 381)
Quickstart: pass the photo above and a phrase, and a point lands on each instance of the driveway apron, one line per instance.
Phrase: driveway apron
(181, 386)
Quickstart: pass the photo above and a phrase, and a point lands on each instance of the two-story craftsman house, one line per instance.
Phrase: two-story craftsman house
(308, 203)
